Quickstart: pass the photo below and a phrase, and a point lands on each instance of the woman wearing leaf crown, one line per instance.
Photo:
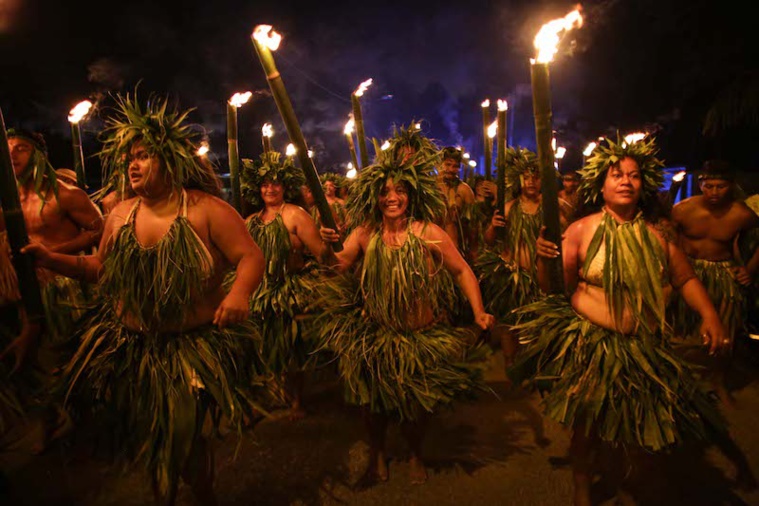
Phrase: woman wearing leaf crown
(398, 357)
(166, 344)
(285, 232)
(604, 346)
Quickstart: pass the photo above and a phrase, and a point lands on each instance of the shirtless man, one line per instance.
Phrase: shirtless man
(570, 181)
(459, 199)
(708, 226)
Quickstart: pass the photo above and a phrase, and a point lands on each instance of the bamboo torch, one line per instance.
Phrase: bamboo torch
(236, 101)
(28, 284)
(348, 131)
(503, 107)
(492, 131)
(266, 133)
(266, 40)
(358, 118)
(75, 116)
(588, 151)
(677, 183)
(546, 43)
(486, 139)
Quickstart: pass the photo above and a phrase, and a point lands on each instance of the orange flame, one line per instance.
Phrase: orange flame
(267, 130)
(589, 149)
(348, 130)
(503, 105)
(548, 38)
(486, 103)
(363, 87)
(238, 99)
(290, 150)
(493, 129)
(266, 36)
(634, 137)
(679, 176)
(79, 111)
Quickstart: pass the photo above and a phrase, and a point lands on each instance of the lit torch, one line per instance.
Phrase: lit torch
(75, 116)
(358, 118)
(236, 101)
(503, 106)
(677, 183)
(265, 40)
(266, 133)
(348, 131)
(588, 151)
(546, 42)
(486, 138)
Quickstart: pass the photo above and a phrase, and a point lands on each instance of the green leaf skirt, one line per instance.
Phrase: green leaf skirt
(391, 371)
(153, 389)
(630, 389)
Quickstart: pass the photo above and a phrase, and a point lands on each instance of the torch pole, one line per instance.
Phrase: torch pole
(541, 106)
(28, 284)
(358, 118)
(282, 100)
(501, 166)
(487, 143)
(234, 156)
(352, 148)
(76, 144)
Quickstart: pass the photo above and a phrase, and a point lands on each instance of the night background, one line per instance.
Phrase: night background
(645, 64)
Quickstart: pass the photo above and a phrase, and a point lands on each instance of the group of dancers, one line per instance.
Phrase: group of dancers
(169, 313)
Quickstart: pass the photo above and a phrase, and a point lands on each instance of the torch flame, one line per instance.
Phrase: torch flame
(351, 174)
(472, 163)
(238, 99)
(348, 130)
(560, 152)
(679, 176)
(418, 126)
(548, 38)
(466, 156)
(553, 144)
(589, 149)
(290, 150)
(363, 87)
(79, 111)
(202, 149)
(486, 103)
(385, 145)
(503, 105)
(634, 137)
(266, 36)
(267, 130)
(492, 129)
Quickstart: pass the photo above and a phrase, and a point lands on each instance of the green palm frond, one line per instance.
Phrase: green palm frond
(273, 167)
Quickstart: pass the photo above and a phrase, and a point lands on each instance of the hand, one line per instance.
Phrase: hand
(39, 251)
(545, 248)
(485, 321)
(498, 220)
(741, 275)
(490, 188)
(233, 309)
(329, 235)
(22, 346)
(714, 336)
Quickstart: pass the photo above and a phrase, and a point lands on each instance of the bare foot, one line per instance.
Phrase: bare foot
(417, 471)
(375, 473)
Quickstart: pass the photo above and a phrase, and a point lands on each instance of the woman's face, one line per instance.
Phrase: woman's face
(145, 174)
(623, 183)
(393, 200)
(272, 193)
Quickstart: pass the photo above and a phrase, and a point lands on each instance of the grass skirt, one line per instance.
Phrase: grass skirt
(504, 286)
(395, 371)
(631, 390)
(153, 389)
(726, 294)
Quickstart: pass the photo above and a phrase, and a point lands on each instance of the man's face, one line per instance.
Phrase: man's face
(21, 152)
(570, 182)
(716, 191)
(530, 184)
(449, 171)
(393, 200)
(329, 189)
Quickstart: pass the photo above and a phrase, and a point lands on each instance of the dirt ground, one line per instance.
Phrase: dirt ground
(495, 450)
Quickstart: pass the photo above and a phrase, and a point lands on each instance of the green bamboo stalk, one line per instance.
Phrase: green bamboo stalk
(282, 99)
(352, 148)
(541, 106)
(233, 155)
(501, 164)
(486, 140)
(76, 144)
(358, 118)
(28, 284)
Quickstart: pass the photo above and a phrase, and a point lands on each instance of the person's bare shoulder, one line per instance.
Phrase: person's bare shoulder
(745, 215)
(681, 210)
(120, 211)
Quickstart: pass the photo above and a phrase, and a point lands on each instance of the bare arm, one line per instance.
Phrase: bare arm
(437, 239)
(353, 246)
(78, 207)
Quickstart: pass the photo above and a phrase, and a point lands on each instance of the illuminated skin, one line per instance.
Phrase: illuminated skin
(393, 203)
(570, 184)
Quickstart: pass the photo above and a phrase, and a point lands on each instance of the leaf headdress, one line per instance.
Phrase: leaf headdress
(415, 171)
(165, 132)
(409, 137)
(609, 153)
(338, 180)
(271, 166)
(39, 169)
(518, 162)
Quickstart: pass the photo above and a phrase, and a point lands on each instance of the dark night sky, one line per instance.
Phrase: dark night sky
(635, 63)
